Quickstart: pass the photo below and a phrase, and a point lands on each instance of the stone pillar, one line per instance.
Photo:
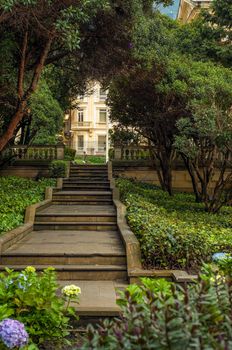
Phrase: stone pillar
(60, 151)
(117, 153)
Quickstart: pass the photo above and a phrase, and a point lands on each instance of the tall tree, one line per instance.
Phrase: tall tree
(48, 31)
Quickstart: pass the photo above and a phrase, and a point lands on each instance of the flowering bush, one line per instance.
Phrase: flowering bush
(71, 291)
(32, 299)
(13, 333)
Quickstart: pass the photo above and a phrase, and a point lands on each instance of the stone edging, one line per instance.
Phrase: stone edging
(13, 236)
(134, 265)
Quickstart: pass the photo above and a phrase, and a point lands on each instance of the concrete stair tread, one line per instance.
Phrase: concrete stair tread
(82, 193)
(78, 210)
(98, 298)
(75, 267)
(69, 242)
(57, 254)
(89, 223)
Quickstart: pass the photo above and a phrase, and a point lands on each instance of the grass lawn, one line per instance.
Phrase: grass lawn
(174, 232)
(16, 194)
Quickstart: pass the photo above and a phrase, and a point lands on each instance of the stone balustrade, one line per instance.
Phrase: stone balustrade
(47, 152)
(131, 153)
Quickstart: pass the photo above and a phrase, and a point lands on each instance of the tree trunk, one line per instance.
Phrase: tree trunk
(193, 177)
(164, 169)
(23, 101)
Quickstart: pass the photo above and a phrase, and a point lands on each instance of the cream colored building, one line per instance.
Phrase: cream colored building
(89, 123)
(189, 9)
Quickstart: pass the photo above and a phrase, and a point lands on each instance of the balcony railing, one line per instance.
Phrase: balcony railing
(81, 125)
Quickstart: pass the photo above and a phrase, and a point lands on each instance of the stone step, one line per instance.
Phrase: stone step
(89, 178)
(84, 181)
(99, 201)
(76, 217)
(77, 226)
(27, 258)
(87, 186)
(81, 272)
(81, 180)
(78, 186)
(91, 172)
(88, 166)
(97, 299)
(82, 195)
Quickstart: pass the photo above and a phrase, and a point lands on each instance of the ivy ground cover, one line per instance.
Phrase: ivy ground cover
(16, 194)
(174, 232)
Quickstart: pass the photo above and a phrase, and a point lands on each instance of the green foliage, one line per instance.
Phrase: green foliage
(46, 115)
(120, 135)
(90, 159)
(174, 232)
(32, 299)
(162, 315)
(16, 194)
(58, 168)
(69, 153)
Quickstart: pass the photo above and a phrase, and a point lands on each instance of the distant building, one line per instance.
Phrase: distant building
(87, 126)
(189, 9)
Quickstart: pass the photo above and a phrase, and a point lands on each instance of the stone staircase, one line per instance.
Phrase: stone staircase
(77, 235)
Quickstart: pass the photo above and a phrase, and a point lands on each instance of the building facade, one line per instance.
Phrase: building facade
(89, 123)
(189, 9)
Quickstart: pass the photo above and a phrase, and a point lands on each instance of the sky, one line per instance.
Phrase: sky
(171, 10)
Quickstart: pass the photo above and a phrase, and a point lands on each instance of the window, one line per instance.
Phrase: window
(80, 115)
(80, 142)
(101, 142)
(102, 116)
(103, 94)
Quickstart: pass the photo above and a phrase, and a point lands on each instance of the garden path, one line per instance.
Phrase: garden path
(78, 235)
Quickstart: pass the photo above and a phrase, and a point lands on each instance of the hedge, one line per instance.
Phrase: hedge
(16, 194)
(174, 232)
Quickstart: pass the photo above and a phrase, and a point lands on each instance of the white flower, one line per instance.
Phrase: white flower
(71, 290)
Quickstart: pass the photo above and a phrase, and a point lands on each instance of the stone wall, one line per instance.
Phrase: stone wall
(29, 171)
(143, 171)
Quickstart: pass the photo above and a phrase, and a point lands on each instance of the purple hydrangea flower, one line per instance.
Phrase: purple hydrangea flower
(13, 333)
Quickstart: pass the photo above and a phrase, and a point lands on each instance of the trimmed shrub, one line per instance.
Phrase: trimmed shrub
(162, 315)
(58, 168)
(69, 153)
(174, 232)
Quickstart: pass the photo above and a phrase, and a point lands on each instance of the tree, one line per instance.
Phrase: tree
(145, 101)
(209, 37)
(44, 119)
(49, 31)
(205, 136)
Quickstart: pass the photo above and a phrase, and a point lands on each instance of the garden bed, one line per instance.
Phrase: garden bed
(16, 194)
(174, 232)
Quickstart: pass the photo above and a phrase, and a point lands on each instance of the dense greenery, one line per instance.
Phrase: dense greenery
(163, 315)
(16, 194)
(58, 168)
(32, 299)
(69, 153)
(62, 42)
(185, 105)
(174, 232)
